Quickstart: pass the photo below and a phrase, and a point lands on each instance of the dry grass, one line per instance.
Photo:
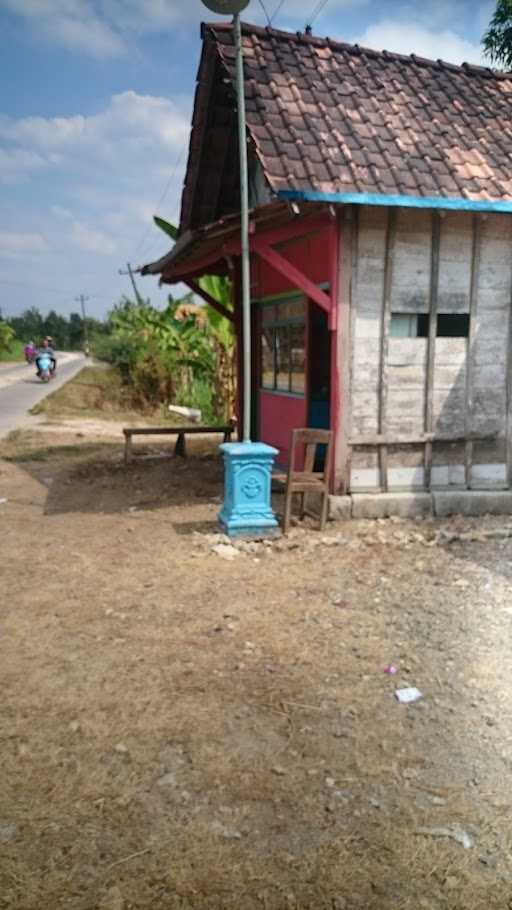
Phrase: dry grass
(97, 392)
(183, 732)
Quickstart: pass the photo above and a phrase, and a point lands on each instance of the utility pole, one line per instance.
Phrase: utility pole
(81, 299)
(138, 298)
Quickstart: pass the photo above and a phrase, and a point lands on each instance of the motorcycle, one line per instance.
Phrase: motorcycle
(44, 367)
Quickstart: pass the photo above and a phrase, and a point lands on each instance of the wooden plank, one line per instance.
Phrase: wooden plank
(509, 400)
(419, 439)
(174, 431)
(343, 344)
(352, 334)
(384, 342)
(431, 349)
(128, 453)
(297, 278)
(471, 345)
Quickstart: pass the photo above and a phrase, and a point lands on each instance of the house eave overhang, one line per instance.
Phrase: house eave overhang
(207, 250)
(416, 202)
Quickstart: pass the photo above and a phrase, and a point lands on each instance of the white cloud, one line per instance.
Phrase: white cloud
(18, 164)
(92, 241)
(133, 134)
(107, 28)
(73, 24)
(94, 182)
(411, 38)
(11, 242)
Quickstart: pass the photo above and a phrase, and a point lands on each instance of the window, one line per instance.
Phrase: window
(452, 325)
(283, 338)
(407, 325)
(449, 325)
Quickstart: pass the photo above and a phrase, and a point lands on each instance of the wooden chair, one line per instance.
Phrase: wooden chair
(308, 480)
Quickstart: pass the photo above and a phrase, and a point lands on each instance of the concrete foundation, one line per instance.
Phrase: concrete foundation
(472, 502)
(440, 504)
(340, 508)
(383, 505)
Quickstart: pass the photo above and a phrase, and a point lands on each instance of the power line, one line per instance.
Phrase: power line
(265, 12)
(276, 11)
(161, 199)
(316, 11)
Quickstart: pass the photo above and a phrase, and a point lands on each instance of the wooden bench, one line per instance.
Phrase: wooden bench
(180, 432)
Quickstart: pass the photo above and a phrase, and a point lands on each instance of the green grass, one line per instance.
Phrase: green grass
(14, 355)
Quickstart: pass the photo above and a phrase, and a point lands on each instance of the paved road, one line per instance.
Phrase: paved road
(20, 389)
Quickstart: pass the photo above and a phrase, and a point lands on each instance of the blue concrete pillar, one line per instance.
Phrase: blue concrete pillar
(247, 511)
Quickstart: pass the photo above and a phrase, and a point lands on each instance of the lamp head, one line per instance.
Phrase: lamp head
(226, 7)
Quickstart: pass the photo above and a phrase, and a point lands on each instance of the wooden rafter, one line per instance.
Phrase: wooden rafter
(215, 305)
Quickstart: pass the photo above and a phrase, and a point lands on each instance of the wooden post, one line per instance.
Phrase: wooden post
(432, 332)
(384, 342)
(470, 353)
(508, 441)
(127, 448)
(344, 349)
(179, 448)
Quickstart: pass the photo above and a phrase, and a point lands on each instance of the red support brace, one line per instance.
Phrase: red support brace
(297, 278)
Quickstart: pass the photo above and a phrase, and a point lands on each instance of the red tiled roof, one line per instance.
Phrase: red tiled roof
(338, 118)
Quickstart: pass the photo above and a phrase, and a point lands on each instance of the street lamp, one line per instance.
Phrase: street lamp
(248, 465)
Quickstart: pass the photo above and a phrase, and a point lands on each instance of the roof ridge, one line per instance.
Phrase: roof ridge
(469, 69)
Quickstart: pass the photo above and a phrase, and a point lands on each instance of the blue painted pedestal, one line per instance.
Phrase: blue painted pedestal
(247, 478)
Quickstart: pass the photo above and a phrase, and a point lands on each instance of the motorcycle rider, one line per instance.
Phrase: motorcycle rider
(45, 348)
(30, 351)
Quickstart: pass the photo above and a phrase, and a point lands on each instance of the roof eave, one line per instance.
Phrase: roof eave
(415, 202)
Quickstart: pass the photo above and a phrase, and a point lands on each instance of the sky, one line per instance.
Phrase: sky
(95, 106)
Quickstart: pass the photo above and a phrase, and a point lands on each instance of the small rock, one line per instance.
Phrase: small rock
(279, 770)
(167, 780)
(329, 782)
(3, 501)
(408, 695)
(121, 749)
(8, 832)
(451, 882)
(228, 833)
(454, 832)
(74, 726)
(489, 859)
(225, 551)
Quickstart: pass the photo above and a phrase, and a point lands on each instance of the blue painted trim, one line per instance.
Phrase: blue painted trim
(411, 202)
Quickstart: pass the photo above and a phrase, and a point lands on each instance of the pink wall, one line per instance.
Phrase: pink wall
(279, 415)
(310, 254)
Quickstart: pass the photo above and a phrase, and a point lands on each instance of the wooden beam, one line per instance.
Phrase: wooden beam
(342, 340)
(374, 439)
(471, 345)
(296, 229)
(215, 305)
(384, 342)
(293, 274)
(508, 441)
(431, 350)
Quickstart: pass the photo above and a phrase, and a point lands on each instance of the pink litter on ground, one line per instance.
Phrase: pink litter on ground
(391, 669)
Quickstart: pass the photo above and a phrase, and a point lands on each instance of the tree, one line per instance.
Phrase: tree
(6, 336)
(497, 41)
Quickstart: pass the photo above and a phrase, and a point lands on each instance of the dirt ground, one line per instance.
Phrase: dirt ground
(183, 731)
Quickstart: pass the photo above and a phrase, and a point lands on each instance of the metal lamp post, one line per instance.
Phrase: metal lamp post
(248, 465)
